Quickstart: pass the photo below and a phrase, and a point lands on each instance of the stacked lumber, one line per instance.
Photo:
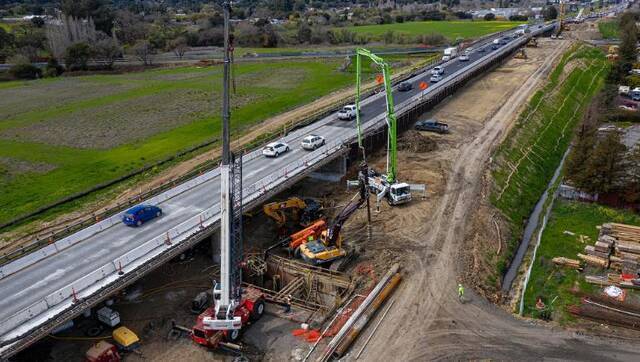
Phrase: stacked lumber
(594, 279)
(594, 260)
(570, 263)
(622, 232)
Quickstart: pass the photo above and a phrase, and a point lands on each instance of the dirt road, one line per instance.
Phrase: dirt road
(427, 321)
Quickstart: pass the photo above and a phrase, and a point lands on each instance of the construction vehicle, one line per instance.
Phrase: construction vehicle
(305, 210)
(125, 339)
(384, 186)
(532, 43)
(234, 307)
(102, 352)
(328, 247)
(520, 54)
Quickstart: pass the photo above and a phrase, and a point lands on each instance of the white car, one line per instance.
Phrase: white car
(464, 58)
(312, 141)
(435, 78)
(437, 70)
(348, 112)
(275, 149)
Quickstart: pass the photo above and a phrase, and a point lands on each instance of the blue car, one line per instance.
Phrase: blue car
(140, 214)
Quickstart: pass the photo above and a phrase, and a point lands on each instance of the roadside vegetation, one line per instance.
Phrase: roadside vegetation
(609, 29)
(569, 221)
(525, 162)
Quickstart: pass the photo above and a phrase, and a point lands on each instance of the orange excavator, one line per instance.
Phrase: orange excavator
(321, 242)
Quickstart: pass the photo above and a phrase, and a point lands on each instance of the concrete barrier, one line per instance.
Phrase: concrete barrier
(22, 316)
(27, 260)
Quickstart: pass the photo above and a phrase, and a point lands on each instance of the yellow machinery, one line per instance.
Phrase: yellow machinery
(329, 247)
(533, 43)
(125, 339)
(521, 54)
(305, 210)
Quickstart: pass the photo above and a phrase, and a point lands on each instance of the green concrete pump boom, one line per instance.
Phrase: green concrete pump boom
(392, 153)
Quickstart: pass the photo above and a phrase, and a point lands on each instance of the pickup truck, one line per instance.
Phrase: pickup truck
(432, 125)
(348, 112)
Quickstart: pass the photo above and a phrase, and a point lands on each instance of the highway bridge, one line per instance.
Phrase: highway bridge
(54, 284)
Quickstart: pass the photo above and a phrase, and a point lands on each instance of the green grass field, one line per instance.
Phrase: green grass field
(549, 281)
(450, 29)
(61, 136)
(533, 150)
(609, 29)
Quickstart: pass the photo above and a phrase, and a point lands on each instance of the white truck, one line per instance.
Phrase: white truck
(450, 53)
(635, 94)
(348, 112)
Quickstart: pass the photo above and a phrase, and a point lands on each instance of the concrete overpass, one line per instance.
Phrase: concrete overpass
(52, 285)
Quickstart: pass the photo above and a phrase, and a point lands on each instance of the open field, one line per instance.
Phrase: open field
(450, 29)
(526, 161)
(608, 29)
(549, 281)
(79, 132)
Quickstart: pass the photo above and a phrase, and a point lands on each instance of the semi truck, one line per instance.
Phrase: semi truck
(450, 53)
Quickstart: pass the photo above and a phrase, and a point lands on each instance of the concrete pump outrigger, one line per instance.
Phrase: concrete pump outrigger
(384, 186)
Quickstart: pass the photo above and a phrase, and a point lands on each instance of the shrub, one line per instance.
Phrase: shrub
(53, 68)
(25, 71)
(77, 56)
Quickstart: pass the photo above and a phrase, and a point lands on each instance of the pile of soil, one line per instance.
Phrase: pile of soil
(415, 141)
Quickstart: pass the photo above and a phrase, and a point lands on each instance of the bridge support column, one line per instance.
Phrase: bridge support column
(333, 171)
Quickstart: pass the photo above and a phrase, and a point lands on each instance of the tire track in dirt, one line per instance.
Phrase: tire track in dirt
(427, 322)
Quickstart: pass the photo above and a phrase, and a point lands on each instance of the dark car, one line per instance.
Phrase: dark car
(432, 125)
(482, 50)
(140, 214)
(405, 87)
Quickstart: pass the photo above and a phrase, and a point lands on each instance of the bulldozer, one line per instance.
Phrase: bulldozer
(305, 211)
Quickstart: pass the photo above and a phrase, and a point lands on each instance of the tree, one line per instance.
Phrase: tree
(143, 51)
(179, 46)
(66, 31)
(99, 10)
(77, 56)
(632, 193)
(129, 27)
(550, 13)
(53, 68)
(628, 39)
(580, 154)
(606, 165)
(107, 50)
(37, 21)
(304, 32)
(490, 17)
(25, 71)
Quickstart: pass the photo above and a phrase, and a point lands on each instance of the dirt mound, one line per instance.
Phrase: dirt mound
(415, 141)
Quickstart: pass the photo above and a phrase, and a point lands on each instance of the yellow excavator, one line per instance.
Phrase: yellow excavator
(305, 211)
(329, 246)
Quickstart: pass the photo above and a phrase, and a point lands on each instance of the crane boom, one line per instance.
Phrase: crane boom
(392, 154)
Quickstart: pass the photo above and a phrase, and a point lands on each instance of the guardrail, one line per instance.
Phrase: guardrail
(42, 240)
(122, 266)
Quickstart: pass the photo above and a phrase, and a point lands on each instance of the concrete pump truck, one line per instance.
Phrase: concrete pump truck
(235, 307)
(384, 186)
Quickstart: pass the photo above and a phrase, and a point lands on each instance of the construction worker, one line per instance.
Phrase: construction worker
(310, 238)
(287, 304)
(460, 293)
